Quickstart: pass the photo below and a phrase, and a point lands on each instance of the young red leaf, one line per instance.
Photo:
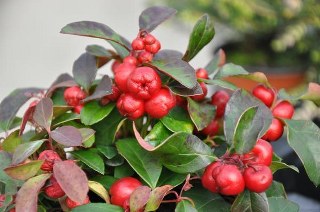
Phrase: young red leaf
(67, 136)
(139, 198)
(26, 116)
(156, 197)
(43, 113)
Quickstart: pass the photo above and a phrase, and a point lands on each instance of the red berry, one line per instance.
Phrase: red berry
(74, 95)
(260, 154)
(77, 109)
(49, 157)
(153, 48)
(130, 106)
(182, 102)
(149, 39)
(202, 73)
(122, 74)
(2, 199)
(131, 60)
(145, 57)
(115, 65)
(266, 95)
(204, 93)
(121, 190)
(283, 109)
(258, 178)
(220, 100)
(160, 103)
(54, 190)
(207, 179)
(212, 129)
(275, 130)
(115, 93)
(144, 82)
(72, 204)
(137, 44)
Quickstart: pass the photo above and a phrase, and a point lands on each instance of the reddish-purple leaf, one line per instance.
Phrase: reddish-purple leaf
(139, 198)
(26, 116)
(156, 197)
(141, 141)
(68, 83)
(43, 113)
(104, 88)
(27, 197)
(72, 180)
(67, 136)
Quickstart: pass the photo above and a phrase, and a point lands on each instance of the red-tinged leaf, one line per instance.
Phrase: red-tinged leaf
(23, 151)
(150, 18)
(218, 60)
(10, 105)
(24, 171)
(141, 141)
(72, 180)
(156, 197)
(104, 88)
(68, 83)
(139, 198)
(255, 76)
(27, 197)
(26, 116)
(43, 113)
(67, 136)
(181, 90)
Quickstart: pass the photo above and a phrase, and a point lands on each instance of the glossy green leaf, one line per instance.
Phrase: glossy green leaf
(67, 135)
(151, 17)
(250, 202)
(200, 113)
(303, 138)
(277, 165)
(143, 162)
(276, 190)
(104, 88)
(239, 102)
(91, 159)
(58, 110)
(15, 123)
(168, 177)
(108, 151)
(93, 112)
(43, 113)
(98, 207)
(157, 134)
(117, 160)
(88, 137)
(124, 170)
(247, 130)
(139, 198)
(218, 60)
(24, 171)
(27, 197)
(221, 83)
(98, 189)
(280, 204)
(104, 180)
(185, 206)
(23, 151)
(229, 69)
(11, 142)
(62, 119)
(201, 35)
(181, 90)
(178, 120)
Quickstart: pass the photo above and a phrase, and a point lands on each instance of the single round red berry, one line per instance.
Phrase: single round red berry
(212, 129)
(72, 204)
(220, 100)
(77, 109)
(145, 57)
(121, 190)
(266, 95)
(137, 44)
(204, 93)
(131, 60)
(153, 48)
(260, 154)
(122, 74)
(115, 65)
(49, 157)
(275, 130)
(144, 82)
(207, 179)
(202, 73)
(149, 39)
(284, 110)
(130, 106)
(54, 190)
(74, 95)
(257, 178)
(160, 103)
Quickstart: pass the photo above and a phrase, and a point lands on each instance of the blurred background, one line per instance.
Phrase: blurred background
(278, 37)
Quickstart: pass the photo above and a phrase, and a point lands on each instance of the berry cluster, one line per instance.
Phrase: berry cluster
(231, 174)
(73, 96)
(280, 110)
(145, 46)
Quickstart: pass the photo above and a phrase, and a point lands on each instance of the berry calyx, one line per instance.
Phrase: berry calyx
(72, 204)
(258, 178)
(73, 95)
(145, 57)
(283, 109)
(204, 93)
(275, 130)
(54, 190)
(144, 82)
(260, 154)
(202, 73)
(220, 100)
(49, 157)
(160, 103)
(266, 95)
(130, 106)
(212, 129)
(121, 75)
(137, 44)
(121, 190)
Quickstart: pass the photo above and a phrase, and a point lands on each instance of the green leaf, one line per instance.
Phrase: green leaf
(10, 105)
(303, 138)
(27, 197)
(43, 113)
(220, 83)
(108, 151)
(185, 206)
(143, 162)
(15, 123)
(178, 120)
(58, 110)
(218, 60)
(247, 131)
(88, 137)
(104, 88)
(168, 177)
(24, 171)
(157, 134)
(117, 160)
(201, 35)
(93, 112)
(277, 165)
(201, 113)
(23, 151)
(99, 51)
(156, 197)
(250, 202)
(91, 159)
(280, 204)
(181, 90)
(67, 135)
(177, 69)
(230, 69)
(65, 118)
(106, 180)
(151, 17)
(98, 30)
(207, 201)
(239, 102)
(11, 142)
(276, 190)
(98, 207)
(107, 128)
(98, 189)
(255, 76)
(123, 171)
